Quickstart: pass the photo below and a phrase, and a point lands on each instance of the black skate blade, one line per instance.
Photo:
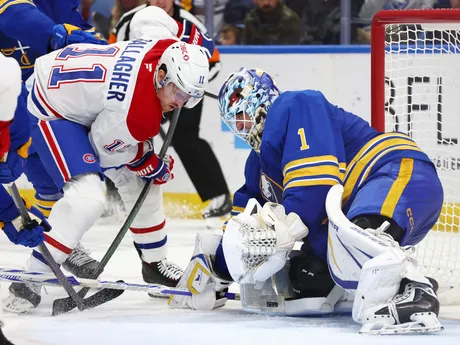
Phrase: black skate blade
(64, 305)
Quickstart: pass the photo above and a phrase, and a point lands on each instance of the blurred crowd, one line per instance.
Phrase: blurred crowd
(261, 22)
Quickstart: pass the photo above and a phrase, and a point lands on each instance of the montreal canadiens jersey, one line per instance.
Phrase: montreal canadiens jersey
(309, 145)
(110, 89)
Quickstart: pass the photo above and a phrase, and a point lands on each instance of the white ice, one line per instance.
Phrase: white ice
(136, 319)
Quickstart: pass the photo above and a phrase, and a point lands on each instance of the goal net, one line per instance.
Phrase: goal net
(416, 90)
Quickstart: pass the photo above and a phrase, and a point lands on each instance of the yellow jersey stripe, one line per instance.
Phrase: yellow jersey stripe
(311, 160)
(405, 173)
(46, 203)
(397, 148)
(4, 4)
(314, 171)
(313, 182)
(381, 137)
(355, 170)
(237, 209)
(46, 212)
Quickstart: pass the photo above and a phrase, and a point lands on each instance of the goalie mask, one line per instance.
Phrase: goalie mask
(244, 101)
(187, 67)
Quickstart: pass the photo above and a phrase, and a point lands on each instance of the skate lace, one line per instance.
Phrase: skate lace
(170, 270)
(80, 256)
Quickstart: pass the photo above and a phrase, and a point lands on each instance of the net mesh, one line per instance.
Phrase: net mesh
(422, 93)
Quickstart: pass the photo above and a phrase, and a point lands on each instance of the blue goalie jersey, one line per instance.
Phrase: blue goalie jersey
(309, 145)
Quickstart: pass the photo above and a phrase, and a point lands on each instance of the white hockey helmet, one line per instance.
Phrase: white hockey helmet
(187, 67)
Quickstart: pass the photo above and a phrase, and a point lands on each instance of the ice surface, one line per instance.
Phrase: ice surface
(136, 319)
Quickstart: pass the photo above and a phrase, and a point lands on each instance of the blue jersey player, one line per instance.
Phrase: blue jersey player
(383, 195)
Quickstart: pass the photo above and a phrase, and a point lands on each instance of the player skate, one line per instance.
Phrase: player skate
(80, 263)
(160, 272)
(22, 298)
(219, 206)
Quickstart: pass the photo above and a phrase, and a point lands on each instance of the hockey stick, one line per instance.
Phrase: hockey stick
(48, 279)
(79, 302)
(63, 305)
(210, 95)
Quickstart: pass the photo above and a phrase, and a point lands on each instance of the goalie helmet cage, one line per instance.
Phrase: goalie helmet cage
(415, 89)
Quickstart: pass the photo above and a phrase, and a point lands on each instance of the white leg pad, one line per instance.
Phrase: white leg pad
(74, 214)
(149, 227)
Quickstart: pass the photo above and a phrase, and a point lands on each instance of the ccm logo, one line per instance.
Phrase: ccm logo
(184, 51)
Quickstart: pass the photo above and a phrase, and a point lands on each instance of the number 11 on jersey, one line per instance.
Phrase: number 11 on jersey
(303, 139)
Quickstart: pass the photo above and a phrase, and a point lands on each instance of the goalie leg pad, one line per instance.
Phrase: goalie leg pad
(200, 279)
(349, 246)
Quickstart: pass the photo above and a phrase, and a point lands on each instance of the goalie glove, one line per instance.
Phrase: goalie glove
(258, 241)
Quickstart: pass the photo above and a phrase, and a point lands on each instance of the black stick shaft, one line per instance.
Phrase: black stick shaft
(44, 250)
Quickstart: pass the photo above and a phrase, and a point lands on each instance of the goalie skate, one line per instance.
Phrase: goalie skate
(422, 323)
(414, 310)
(23, 298)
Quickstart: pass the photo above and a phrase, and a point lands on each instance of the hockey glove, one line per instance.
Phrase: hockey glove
(65, 34)
(4, 140)
(13, 167)
(151, 167)
(30, 235)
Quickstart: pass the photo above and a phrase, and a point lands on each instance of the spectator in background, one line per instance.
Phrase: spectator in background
(198, 8)
(229, 35)
(236, 10)
(447, 4)
(271, 22)
(321, 21)
(371, 7)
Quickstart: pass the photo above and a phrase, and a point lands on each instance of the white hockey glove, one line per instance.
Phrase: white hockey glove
(199, 278)
(257, 242)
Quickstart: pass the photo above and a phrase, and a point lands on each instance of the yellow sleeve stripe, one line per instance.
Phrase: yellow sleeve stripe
(314, 171)
(237, 209)
(298, 163)
(46, 212)
(46, 203)
(312, 182)
(4, 4)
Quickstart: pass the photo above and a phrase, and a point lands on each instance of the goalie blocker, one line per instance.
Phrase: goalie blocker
(391, 296)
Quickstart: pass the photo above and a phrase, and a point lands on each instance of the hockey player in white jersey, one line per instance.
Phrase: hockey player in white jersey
(96, 110)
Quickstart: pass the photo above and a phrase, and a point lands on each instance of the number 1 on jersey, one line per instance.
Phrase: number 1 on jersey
(303, 139)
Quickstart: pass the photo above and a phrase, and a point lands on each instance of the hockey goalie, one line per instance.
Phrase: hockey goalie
(357, 200)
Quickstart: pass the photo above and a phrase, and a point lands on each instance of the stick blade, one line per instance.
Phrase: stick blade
(64, 305)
